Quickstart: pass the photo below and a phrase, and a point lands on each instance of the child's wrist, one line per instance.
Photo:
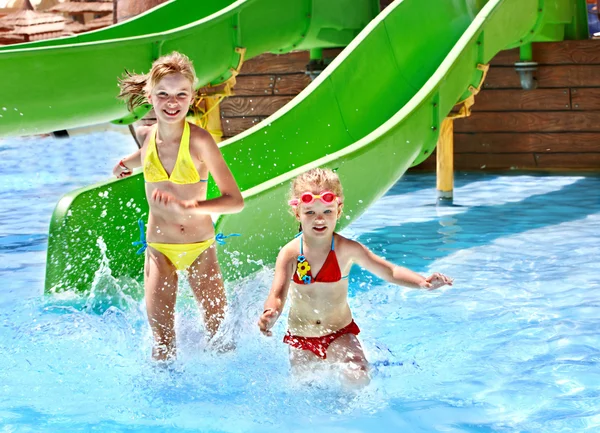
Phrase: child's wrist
(123, 166)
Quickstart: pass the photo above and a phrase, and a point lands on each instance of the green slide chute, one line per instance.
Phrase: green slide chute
(374, 112)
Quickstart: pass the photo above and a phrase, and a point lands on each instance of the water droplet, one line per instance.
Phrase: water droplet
(4, 108)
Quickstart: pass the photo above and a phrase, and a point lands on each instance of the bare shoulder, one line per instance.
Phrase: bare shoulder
(200, 136)
(345, 243)
(289, 252)
(142, 133)
(347, 247)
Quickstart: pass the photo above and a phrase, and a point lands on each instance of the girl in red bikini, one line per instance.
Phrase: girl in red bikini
(315, 265)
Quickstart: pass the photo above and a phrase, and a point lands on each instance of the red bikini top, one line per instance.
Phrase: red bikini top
(329, 273)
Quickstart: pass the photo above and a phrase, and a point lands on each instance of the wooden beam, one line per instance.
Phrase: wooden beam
(586, 99)
(484, 161)
(582, 142)
(250, 106)
(291, 84)
(500, 77)
(555, 53)
(254, 85)
(234, 126)
(562, 161)
(518, 100)
(551, 121)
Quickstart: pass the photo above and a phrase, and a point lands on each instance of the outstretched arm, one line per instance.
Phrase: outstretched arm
(125, 166)
(278, 294)
(393, 273)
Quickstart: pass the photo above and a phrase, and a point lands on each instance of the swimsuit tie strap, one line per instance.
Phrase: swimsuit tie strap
(142, 240)
(220, 237)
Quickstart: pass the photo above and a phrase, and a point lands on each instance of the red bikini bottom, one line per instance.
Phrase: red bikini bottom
(319, 345)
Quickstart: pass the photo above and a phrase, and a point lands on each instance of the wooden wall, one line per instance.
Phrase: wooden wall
(555, 127)
(265, 84)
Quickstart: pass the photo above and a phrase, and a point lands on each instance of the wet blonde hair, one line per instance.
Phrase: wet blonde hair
(136, 87)
(317, 180)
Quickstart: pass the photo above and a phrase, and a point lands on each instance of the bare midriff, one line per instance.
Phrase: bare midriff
(166, 226)
(318, 309)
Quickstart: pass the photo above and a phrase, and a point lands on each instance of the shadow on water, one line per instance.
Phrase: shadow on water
(460, 227)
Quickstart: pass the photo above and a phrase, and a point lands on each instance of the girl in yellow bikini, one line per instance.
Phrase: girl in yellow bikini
(176, 158)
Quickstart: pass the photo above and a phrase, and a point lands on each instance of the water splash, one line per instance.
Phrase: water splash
(107, 291)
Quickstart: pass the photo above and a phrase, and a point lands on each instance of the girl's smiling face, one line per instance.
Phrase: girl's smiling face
(171, 98)
(318, 218)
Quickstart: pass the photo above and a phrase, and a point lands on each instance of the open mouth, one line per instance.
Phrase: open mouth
(320, 229)
(171, 113)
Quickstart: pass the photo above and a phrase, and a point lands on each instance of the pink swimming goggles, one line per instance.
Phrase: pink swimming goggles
(326, 197)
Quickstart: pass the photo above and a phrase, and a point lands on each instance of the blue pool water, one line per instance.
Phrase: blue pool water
(512, 347)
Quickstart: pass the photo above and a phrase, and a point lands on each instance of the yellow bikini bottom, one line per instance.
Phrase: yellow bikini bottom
(182, 255)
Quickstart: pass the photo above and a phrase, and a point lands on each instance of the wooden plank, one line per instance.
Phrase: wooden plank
(506, 58)
(527, 142)
(551, 121)
(556, 53)
(252, 106)
(254, 85)
(492, 161)
(275, 63)
(519, 99)
(235, 125)
(547, 76)
(291, 84)
(585, 99)
(484, 161)
(501, 77)
(294, 62)
(575, 161)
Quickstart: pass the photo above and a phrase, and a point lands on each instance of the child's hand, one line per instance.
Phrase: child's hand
(121, 170)
(436, 280)
(267, 320)
(165, 200)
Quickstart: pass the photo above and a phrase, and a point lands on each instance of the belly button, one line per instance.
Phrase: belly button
(318, 322)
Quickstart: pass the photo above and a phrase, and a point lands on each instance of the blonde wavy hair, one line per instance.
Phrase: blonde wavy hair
(317, 180)
(136, 87)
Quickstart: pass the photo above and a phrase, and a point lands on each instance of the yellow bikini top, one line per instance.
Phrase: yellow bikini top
(184, 171)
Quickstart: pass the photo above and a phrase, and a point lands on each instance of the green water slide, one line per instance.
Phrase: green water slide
(374, 112)
(69, 82)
